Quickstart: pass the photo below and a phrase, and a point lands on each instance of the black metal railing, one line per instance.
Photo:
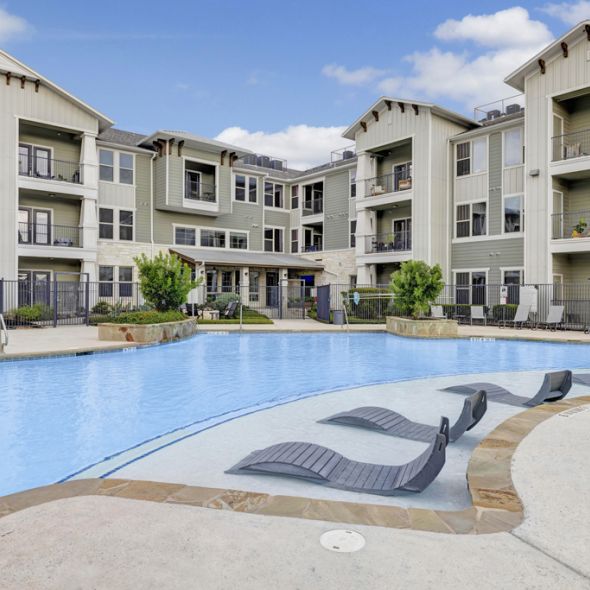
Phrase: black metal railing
(400, 241)
(571, 224)
(49, 169)
(388, 183)
(314, 207)
(39, 234)
(199, 191)
(571, 145)
(317, 247)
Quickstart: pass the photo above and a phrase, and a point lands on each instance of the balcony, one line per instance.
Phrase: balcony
(314, 207)
(49, 169)
(45, 235)
(388, 183)
(390, 242)
(196, 190)
(571, 145)
(570, 232)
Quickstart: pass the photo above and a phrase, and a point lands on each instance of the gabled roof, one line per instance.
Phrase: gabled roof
(516, 78)
(382, 102)
(121, 137)
(8, 63)
(204, 143)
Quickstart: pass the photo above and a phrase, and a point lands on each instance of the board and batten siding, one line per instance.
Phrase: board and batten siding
(62, 149)
(495, 184)
(336, 219)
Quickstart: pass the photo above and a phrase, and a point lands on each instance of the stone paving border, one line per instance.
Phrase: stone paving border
(496, 505)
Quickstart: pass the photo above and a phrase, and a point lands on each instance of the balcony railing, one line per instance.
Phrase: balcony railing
(40, 234)
(400, 241)
(572, 224)
(314, 207)
(388, 183)
(317, 247)
(571, 145)
(49, 169)
(199, 191)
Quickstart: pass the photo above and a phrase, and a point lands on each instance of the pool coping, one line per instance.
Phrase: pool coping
(496, 506)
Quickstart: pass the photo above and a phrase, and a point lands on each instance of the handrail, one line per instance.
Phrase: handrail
(3, 334)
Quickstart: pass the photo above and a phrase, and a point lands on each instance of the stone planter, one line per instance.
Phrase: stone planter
(426, 328)
(147, 333)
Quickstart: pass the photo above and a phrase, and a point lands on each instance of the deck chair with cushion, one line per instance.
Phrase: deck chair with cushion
(555, 386)
(554, 317)
(389, 422)
(323, 466)
(436, 312)
(478, 313)
(521, 317)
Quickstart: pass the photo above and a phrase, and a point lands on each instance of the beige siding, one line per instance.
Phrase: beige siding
(470, 188)
(514, 180)
(111, 194)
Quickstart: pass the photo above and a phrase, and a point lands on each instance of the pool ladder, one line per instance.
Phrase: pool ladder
(3, 334)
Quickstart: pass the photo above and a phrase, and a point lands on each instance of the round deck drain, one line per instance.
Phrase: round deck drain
(342, 541)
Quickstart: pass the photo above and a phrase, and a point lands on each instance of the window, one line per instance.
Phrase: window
(273, 239)
(125, 281)
(471, 220)
(107, 165)
(126, 168)
(513, 279)
(513, 214)
(126, 225)
(105, 224)
(211, 281)
(192, 188)
(212, 238)
(185, 236)
(352, 184)
(463, 159)
(470, 287)
(238, 240)
(243, 184)
(240, 190)
(478, 288)
(273, 195)
(105, 277)
(252, 189)
(294, 241)
(295, 196)
(313, 198)
(352, 281)
(353, 233)
(472, 157)
(254, 285)
(513, 148)
(226, 281)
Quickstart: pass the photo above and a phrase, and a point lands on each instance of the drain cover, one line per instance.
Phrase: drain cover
(342, 541)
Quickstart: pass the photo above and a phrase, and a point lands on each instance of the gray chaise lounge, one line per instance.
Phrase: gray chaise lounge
(323, 466)
(582, 379)
(394, 424)
(555, 386)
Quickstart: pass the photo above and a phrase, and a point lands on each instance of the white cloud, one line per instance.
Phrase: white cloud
(12, 26)
(570, 13)
(302, 146)
(358, 77)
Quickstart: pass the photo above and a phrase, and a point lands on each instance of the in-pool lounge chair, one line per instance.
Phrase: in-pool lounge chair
(394, 424)
(555, 386)
(324, 466)
(436, 312)
(521, 316)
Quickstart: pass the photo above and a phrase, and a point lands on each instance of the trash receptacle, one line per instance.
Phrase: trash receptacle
(338, 317)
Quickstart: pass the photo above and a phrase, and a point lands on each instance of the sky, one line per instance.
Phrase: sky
(283, 78)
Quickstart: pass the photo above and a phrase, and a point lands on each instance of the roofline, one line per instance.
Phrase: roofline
(516, 78)
(100, 116)
(205, 141)
(485, 129)
(442, 112)
(124, 147)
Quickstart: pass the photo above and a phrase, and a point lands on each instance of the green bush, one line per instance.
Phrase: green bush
(102, 308)
(165, 281)
(415, 286)
(221, 301)
(142, 317)
(30, 313)
(505, 311)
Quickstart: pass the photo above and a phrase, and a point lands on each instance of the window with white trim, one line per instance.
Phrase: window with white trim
(238, 240)
(125, 281)
(513, 278)
(212, 238)
(106, 165)
(513, 147)
(295, 196)
(353, 233)
(126, 225)
(294, 241)
(106, 277)
(470, 287)
(273, 239)
(246, 188)
(471, 220)
(185, 236)
(125, 168)
(106, 223)
(513, 214)
(352, 184)
(472, 156)
(273, 195)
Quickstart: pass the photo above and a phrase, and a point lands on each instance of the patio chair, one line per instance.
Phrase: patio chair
(478, 313)
(230, 310)
(521, 316)
(554, 317)
(393, 424)
(323, 466)
(556, 386)
(436, 312)
(582, 379)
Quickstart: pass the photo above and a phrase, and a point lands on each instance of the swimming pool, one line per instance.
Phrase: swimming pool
(59, 415)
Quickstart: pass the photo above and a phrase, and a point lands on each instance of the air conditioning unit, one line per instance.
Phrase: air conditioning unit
(347, 155)
(494, 114)
(276, 164)
(511, 109)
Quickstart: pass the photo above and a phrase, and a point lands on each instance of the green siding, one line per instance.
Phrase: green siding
(336, 221)
(385, 218)
(397, 155)
(63, 149)
(65, 212)
(52, 265)
(495, 184)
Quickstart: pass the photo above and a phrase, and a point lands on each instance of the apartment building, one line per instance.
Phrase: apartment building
(500, 198)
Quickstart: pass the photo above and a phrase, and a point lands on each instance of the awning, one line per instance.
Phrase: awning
(245, 258)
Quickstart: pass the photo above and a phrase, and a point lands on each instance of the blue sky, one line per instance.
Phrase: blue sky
(286, 76)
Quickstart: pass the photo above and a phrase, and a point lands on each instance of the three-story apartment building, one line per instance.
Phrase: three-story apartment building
(498, 199)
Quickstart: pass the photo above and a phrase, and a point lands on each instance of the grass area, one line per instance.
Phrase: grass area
(249, 316)
(140, 317)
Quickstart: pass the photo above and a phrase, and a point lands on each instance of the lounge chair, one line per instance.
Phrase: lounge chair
(554, 317)
(394, 424)
(436, 312)
(478, 313)
(521, 316)
(323, 466)
(582, 379)
(230, 310)
(555, 386)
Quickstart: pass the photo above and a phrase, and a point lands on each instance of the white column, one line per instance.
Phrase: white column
(89, 224)
(90, 267)
(364, 170)
(245, 285)
(89, 160)
(365, 274)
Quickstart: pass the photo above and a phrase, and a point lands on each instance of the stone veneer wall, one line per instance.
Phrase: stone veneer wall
(147, 333)
(422, 328)
(339, 265)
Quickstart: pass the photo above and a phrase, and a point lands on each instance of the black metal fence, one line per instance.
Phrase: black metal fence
(49, 169)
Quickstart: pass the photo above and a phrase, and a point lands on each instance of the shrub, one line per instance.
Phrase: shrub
(102, 308)
(29, 313)
(222, 301)
(143, 317)
(415, 286)
(165, 281)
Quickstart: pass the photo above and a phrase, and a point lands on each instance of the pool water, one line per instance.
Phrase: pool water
(59, 415)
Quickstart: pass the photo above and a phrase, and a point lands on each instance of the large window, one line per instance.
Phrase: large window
(105, 224)
(123, 163)
(238, 240)
(273, 239)
(353, 233)
(470, 287)
(106, 276)
(125, 168)
(246, 188)
(471, 220)
(513, 148)
(125, 281)
(126, 225)
(295, 196)
(107, 165)
(294, 241)
(273, 195)
(185, 236)
(472, 157)
(313, 198)
(513, 214)
(212, 238)
(513, 278)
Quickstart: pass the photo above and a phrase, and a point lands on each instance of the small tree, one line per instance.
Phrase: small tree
(416, 286)
(165, 280)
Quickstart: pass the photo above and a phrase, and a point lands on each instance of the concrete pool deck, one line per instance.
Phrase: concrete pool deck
(170, 541)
